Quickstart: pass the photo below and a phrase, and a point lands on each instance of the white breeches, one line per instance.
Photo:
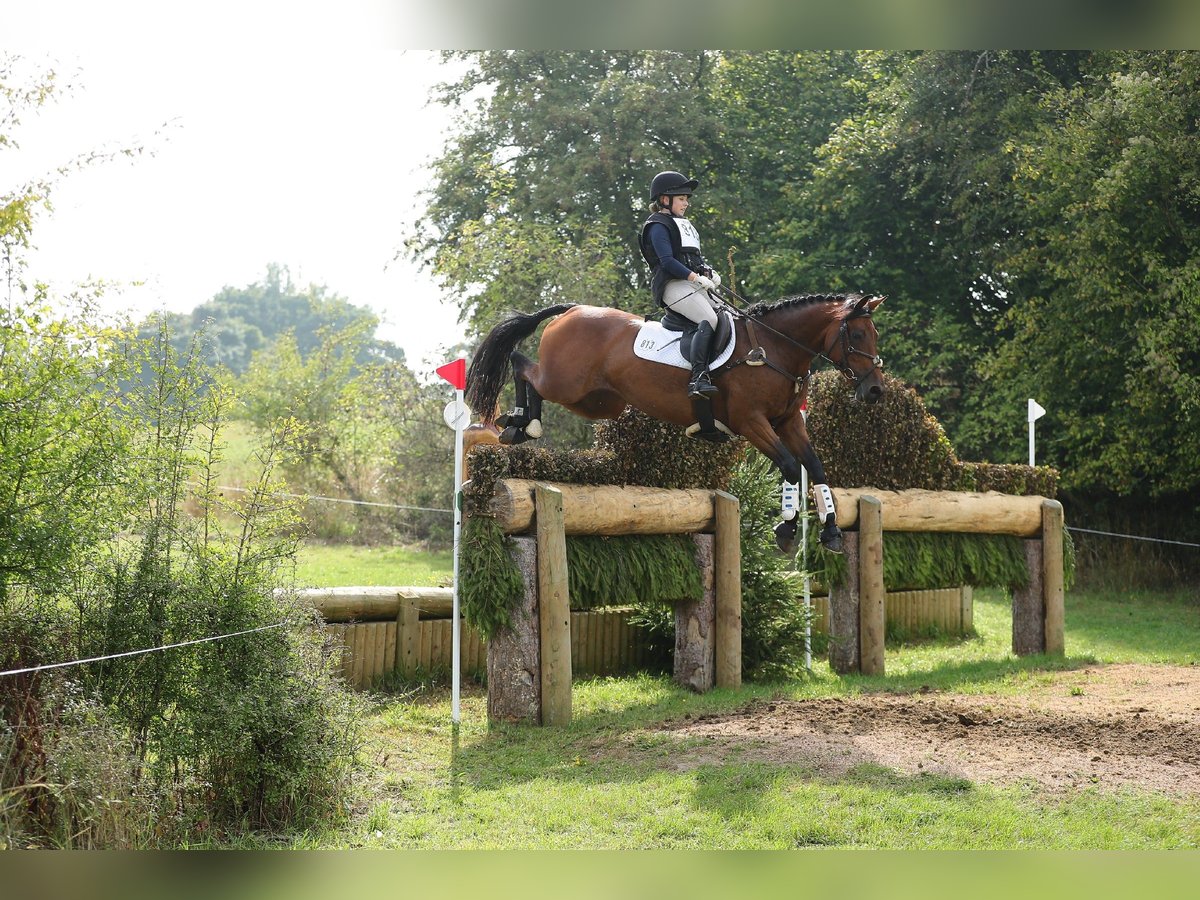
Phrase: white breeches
(690, 300)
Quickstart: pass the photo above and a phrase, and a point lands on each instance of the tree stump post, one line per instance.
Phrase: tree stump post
(514, 654)
(843, 612)
(695, 638)
(1029, 606)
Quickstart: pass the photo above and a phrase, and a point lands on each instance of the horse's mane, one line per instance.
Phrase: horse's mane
(770, 306)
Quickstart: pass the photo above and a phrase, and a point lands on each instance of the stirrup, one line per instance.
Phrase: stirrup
(702, 388)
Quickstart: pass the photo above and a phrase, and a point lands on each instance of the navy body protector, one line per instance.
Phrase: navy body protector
(659, 277)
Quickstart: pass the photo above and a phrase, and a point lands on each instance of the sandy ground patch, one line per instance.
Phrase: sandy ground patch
(1106, 726)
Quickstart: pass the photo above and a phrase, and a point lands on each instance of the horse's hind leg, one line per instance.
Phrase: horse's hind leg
(525, 420)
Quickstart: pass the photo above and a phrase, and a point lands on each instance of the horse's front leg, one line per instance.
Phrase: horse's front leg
(789, 457)
(795, 437)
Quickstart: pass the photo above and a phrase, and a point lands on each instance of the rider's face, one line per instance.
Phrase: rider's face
(679, 204)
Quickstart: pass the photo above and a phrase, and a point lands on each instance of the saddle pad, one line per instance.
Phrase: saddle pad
(661, 345)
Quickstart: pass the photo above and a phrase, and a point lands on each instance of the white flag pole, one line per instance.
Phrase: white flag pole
(1035, 412)
(804, 562)
(804, 559)
(456, 637)
(456, 417)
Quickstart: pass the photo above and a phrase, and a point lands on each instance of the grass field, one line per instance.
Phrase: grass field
(340, 565)
(617, 778)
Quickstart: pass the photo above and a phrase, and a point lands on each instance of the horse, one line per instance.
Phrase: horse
(587, 363)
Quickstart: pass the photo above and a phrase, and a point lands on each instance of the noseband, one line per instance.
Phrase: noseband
(849, 349)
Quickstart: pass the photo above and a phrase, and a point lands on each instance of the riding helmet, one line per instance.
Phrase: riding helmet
(672, 184)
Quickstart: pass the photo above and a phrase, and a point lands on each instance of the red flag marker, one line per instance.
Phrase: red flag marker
(455, 373)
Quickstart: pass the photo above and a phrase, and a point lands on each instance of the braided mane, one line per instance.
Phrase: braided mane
(763, 307)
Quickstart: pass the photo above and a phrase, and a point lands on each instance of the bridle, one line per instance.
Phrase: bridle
(758, 356)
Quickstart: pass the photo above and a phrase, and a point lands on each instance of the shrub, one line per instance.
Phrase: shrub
(251, 730)
(896, 444)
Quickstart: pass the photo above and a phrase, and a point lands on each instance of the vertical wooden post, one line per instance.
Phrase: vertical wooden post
(694, 626)
(1029, 606)
(871, 616)
(1052, 574)
(843, 612)
(514, 684)
(408, 635)
(555, 607)
(966, 615)
(727, 583)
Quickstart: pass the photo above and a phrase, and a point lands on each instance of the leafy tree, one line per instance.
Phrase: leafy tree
(1111, 321)
(777, 109)
(910, 198)
(238, 322)
(62, 443)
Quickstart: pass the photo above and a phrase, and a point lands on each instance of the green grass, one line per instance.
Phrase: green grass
(612, 779)
(340, 565)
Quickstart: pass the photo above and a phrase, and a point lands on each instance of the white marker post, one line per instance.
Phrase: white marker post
(1035, 413)
(456, 416)
(804, 557)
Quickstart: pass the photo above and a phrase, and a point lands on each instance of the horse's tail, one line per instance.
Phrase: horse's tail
(491, 363)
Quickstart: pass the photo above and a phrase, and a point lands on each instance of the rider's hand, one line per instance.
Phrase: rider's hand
(716, 279)
(705, 282)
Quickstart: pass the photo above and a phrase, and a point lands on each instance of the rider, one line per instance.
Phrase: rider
(681, 279)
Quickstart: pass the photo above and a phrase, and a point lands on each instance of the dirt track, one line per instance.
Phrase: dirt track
(1104, 726)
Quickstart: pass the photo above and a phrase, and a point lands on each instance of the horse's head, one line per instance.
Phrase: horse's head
(851, 342)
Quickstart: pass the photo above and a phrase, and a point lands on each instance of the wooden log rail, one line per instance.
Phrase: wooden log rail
(945, 511)
(373, 604)
(607, 509)
(856, 608)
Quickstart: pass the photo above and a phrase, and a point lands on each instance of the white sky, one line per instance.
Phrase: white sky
(305, 157)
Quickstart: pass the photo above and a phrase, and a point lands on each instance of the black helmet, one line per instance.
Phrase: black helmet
(671, 184)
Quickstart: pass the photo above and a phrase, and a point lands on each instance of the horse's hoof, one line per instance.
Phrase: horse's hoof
(785, 537)
(831, 539)
(534, 428)
(513, 435)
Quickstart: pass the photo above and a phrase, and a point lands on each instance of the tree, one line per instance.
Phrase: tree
(910, 197)
(238, 322)
(1111, 318)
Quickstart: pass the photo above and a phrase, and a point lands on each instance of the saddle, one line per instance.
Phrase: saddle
(670, 341)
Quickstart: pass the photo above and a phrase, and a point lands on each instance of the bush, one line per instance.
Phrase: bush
(896, 444)
(773, 621)
(253, 730)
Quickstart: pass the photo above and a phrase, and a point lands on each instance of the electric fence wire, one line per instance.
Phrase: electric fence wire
(80, 662)
(1132, 537)
(223, 487)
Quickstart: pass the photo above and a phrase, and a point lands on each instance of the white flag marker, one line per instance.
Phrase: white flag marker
(1035, 412)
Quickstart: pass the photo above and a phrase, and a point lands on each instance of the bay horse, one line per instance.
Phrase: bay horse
(587, 364)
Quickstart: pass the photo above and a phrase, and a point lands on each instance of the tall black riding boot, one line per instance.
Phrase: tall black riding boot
(700, 385)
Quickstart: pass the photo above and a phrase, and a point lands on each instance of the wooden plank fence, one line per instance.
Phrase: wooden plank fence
(603, 641)
(950, 610)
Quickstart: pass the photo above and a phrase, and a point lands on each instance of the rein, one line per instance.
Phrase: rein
(758, 356)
